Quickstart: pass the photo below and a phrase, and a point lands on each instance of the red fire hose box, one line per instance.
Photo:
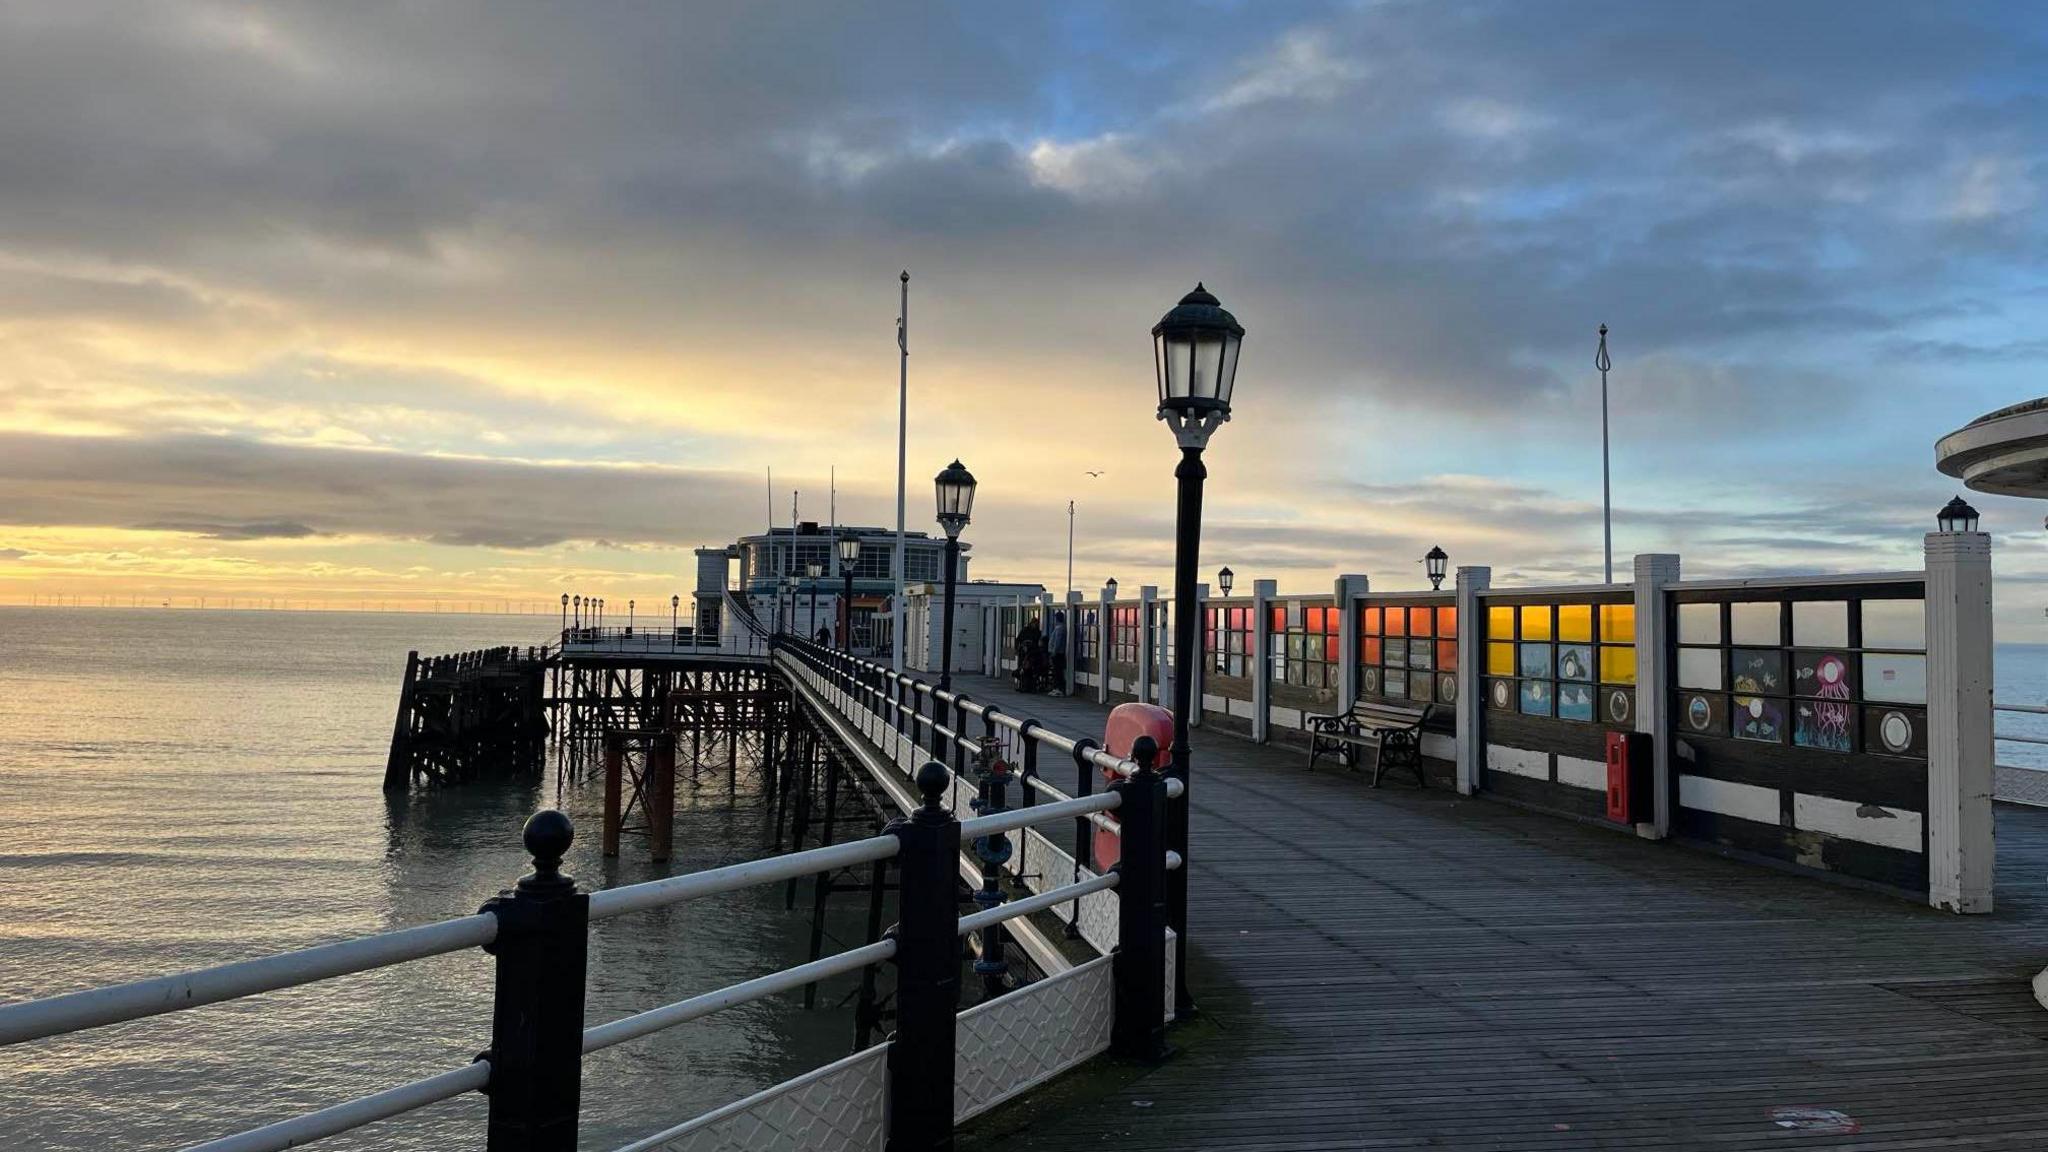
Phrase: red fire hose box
(1631, 788)
(1127, 722)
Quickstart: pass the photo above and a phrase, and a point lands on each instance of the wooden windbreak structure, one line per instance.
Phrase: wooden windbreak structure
(469, 716)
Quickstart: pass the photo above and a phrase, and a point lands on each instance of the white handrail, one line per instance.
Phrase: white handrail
(1011, 819)
(747, 991)
(1039, 903)
(712, 881)
(95, 1007)
(354, 1114)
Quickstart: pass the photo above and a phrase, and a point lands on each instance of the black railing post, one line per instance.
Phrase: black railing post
(993, 852)
(959, 740)
(536, 1051)
(1084, 785)
(927, 972)
(1138, 1031)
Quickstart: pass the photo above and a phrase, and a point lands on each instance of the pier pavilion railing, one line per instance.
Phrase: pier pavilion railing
(941, 1065)
(2019, 784)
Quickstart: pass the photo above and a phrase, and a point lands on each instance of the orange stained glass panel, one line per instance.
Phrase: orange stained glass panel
(1369, 622)
(1372, 650)
(1397, 622)
(1617, 664)
(1447, 621)
(1575, 622)
(1447, 655)
(1418, 622)
(1618, 623)
(1330, 648)
(1500, 659)
(1500, 623)
(1279, 617)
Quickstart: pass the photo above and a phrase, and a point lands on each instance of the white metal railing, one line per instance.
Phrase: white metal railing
(78, 1011)
(2018, 783)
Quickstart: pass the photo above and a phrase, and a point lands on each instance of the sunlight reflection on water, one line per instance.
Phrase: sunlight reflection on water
(185, 788)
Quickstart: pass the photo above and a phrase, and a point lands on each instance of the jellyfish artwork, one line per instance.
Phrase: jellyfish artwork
(1824, 722)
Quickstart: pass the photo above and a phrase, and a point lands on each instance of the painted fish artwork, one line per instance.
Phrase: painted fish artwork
(1759, 718)
(1822, 722)
(1757, 670)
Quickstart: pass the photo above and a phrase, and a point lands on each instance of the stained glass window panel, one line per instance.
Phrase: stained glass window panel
(1500, 659)
(1447, 621)
(1536, 622)
(1575, 622)
(1447, 655)
(1618, 623)
(1500, 623)
(1419, 622)
(1617, 664)
(1369, 621)
(1397, 622)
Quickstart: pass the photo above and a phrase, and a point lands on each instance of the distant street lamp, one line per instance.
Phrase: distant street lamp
(632, 609)
(1957, 516)
(675, 603)
(565, 612)
(1194, 356)
(1223, 578)
(849, 558)
(955, 490)
(1436, 559)
(813, 570)
(1110, 584)
(579, 611)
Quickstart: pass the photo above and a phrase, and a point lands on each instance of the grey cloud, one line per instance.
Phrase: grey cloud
(12, 554)
(234, 489)
(252, 530)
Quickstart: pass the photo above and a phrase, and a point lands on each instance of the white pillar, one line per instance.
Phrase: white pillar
(1960, 854)
(1205, 656)
(1349, 589)
(1653, 686)
(1103, 631)
(1073, 642)
(1263, 592)
(1471, 707)
(1148, 643)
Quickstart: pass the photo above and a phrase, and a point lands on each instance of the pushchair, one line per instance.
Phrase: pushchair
(1032, 669)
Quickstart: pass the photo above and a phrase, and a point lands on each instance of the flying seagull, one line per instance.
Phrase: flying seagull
(1094, 473)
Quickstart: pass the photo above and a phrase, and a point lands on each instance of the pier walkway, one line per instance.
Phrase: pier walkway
(1395, 968)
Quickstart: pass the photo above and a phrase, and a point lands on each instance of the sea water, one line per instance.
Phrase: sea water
(184, 788)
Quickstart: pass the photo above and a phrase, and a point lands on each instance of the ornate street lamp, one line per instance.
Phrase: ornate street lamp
(632, 608)
(849, 558)
(1223, 578)
(675, 604)
(1194, 355)
(579, 611)
(1435, 559)
(813, 570)
(1957, 516)
(1110, 584)
(955, 490)
(565, 613)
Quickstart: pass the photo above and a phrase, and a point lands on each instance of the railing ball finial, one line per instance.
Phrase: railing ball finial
(931, 781)
(1145, 750)
(547, 836)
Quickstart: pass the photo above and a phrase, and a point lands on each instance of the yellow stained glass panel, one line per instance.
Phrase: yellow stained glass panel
(1617, 664)
(1500, 659)
(1618, 623)
(1536, 622)
(1575, 622)
(1500, 623)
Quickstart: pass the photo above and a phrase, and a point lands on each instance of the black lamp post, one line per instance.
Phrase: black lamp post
(579, 610)
(811, 617)
(565, 613)
(675, 604)
(1194, 355)
(1435, 560)
(1223, 578)
(849, 558)
(955, 490)
(1957, 516)
(1110, 584)
(632, 609)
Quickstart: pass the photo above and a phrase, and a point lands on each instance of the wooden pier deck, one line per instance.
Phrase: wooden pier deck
(1393, 969)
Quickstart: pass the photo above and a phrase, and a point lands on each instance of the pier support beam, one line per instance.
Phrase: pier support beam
(660, 792)
(614, 794)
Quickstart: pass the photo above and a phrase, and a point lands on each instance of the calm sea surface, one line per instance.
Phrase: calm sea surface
(185, 788)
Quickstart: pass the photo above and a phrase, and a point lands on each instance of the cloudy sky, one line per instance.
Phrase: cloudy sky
(405, 302)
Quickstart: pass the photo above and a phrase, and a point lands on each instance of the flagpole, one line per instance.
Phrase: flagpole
(1601, 362)
(902, 437)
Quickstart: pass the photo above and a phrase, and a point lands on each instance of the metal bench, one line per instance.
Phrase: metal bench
(1394, 729)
